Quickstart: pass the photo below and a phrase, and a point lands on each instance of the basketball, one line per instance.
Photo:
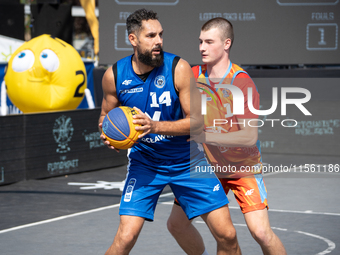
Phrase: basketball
(119, 129)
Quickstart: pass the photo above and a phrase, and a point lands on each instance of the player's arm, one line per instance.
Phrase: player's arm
(245, 137)
(110, 99)
(188, 92)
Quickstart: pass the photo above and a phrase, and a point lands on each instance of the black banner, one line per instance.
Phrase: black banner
(50, 144)
(12, 149)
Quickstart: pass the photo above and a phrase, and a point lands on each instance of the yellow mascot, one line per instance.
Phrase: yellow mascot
(45, 74)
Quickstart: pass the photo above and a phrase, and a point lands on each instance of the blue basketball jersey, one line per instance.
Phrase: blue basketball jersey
(158, 98)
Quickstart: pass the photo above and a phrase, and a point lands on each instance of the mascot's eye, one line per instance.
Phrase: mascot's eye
(23, 61)
(49, 60)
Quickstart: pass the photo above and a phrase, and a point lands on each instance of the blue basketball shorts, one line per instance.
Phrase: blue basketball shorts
(145, 182)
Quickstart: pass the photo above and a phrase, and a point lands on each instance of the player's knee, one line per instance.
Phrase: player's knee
(227, 237)
(228, 241)
(126, 238)
(177, 225)
(170, 225)
(263, 236)
(173, 226)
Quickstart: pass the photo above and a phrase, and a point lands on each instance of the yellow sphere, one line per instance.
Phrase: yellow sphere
(45, 74)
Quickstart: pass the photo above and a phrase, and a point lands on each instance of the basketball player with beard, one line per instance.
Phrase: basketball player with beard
(160, 85)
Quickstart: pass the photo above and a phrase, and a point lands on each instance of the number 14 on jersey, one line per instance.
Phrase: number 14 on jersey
(164, 98)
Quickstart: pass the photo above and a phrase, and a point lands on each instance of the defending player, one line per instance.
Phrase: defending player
(230, 143)
(161, 85)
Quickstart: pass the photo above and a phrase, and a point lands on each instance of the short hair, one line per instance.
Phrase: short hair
(223, 25)
(134, 21)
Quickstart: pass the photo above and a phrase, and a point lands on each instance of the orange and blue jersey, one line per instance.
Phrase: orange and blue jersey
(229, 162)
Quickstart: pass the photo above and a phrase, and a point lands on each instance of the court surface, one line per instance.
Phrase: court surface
(78, 214)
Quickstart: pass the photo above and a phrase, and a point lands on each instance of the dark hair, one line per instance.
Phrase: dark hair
(134, 21)
(223, 25)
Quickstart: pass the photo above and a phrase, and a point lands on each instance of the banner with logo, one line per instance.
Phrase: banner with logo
(37, 146)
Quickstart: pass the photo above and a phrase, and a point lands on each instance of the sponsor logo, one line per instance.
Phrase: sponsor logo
(62, 166)
(159, 81)
(135, 90)
(62, 132)
(156, 138)
(249, 192)
(129, 190)
(126, 82)
(217, 187)
(93, 139)
(226, 93)
(105, 126)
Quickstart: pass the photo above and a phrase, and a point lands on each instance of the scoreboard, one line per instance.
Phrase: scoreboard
(267, 32)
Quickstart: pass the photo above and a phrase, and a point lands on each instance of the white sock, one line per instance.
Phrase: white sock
(205, 252)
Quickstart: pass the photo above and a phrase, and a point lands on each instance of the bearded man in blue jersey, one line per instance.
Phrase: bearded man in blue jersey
(161, 88)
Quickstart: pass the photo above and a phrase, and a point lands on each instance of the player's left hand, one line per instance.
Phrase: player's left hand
(198, 138)
(103, 138)
(147, 124)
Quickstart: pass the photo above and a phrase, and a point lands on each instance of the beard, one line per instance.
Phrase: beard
(147, 58)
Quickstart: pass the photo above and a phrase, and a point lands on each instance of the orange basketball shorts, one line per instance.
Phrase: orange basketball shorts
(250, 192)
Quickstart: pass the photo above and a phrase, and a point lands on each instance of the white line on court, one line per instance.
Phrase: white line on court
(277, 210)
(67, 216)
(58, 218)
(117, 205)
(331, 245)
(242, 225)
(303, 212)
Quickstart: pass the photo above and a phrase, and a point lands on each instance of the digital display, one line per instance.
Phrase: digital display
(281, 32)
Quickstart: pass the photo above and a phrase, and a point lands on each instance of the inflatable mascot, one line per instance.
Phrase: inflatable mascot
(45, 74)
